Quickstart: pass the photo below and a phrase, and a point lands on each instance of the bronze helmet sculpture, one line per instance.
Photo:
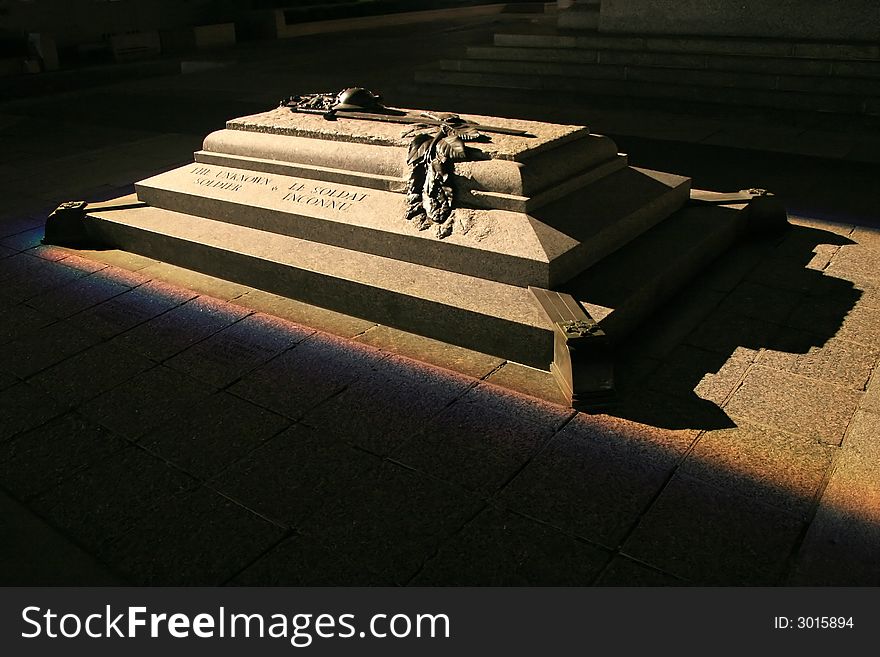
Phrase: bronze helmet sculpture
(356, 99)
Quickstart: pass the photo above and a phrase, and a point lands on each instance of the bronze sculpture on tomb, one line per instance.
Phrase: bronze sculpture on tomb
(437, 142)
(432, 153)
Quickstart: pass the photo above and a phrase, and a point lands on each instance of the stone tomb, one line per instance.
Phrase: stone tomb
(558, 247)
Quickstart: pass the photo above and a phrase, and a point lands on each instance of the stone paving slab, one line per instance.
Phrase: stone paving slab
(847, 315)
(91, 372)
(172, 332)
(34, 554)
(712, 536)
(24, 406)
(593, 480)
(403, 397)
(778, 399)
(301, 378)
(287, 477)
(866, 237)
(18, 321)
(527, 407)
(858, 264)
(24, 240)
(131, 308)
(43, 348)
(775, 468)
(390, 521)
(297, 561)
(524, 553)
(837, 361)
(36, 461)
(726, 330)
(217, 432)
(840, 548)
(79, 295)
(38, 277)
(768, 304)
(684, 414)
(146, 401)
(99, 504)
(473, 447)
(711, 376)
(7, 380)
(237, 349)
(793, 276)
(871, 400)
(197, 537)
(56, 254)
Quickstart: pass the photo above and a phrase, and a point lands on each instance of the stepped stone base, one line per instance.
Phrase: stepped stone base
(559, 248)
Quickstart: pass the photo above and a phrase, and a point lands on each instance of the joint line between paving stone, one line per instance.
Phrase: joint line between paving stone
(63, 532)
(288, 533)
(207, 481)
(793, 558)
(541, 448)
(618, 550)
(440, 545)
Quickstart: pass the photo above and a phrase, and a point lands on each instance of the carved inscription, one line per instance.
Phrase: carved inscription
(315, 195)
(323, 197)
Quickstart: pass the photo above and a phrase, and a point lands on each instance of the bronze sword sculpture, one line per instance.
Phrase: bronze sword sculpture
(359, 103)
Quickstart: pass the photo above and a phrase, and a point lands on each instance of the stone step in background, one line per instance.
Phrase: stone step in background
(296, 21)
(580, 16)
(798, 75)
(591, 87)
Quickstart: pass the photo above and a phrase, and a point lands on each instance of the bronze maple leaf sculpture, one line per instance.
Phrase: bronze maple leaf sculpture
(433, 151)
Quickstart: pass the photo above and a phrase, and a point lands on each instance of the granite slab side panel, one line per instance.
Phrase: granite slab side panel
(533, 171)
(493, 244)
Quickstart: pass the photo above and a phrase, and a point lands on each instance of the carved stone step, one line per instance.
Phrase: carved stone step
(767, 78)
(479, 314)
(794, 66)
(783, 99)
(855, 52)
(580, 18)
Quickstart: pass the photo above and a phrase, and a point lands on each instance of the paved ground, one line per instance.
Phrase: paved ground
(161, 427)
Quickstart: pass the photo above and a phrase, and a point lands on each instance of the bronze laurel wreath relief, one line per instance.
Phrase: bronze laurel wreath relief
(433, 151)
